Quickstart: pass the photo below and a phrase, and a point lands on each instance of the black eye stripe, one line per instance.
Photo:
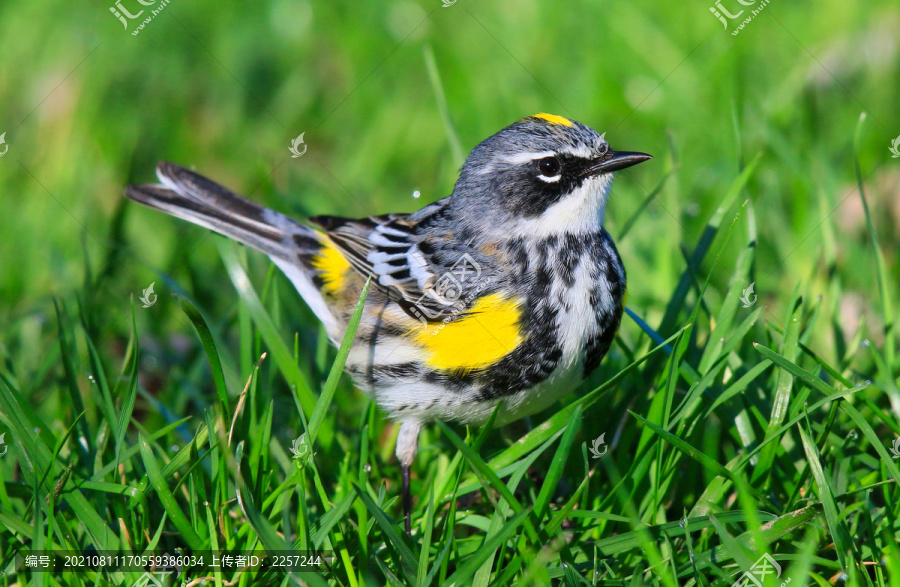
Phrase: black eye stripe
(532, 197)
(566, 163)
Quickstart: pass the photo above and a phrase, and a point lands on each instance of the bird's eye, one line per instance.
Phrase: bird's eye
(549, 166)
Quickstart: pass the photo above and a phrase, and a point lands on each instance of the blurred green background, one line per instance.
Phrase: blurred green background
(88, 108)
(388, 96)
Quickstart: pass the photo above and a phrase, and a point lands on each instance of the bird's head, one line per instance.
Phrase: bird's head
(540, 176)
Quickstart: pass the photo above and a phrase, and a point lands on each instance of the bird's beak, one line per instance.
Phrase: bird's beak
(616, 160)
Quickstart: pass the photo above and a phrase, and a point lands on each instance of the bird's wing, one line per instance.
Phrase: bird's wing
(422, 269)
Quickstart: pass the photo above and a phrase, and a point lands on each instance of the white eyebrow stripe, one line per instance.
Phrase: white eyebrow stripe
(582, 152)
(526, 157)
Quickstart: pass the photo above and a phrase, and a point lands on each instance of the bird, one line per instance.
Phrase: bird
(503, 295)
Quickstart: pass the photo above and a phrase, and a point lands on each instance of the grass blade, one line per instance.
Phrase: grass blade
(409, 559)
(209, 345)
(270, 334)
(324, 402)
(826, 497)
(167, 498)
(465, 572)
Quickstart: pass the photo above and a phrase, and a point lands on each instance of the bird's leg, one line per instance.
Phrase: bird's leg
(407, 445)
(407, 500)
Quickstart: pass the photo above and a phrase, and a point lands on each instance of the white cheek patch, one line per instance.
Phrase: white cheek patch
(580, 212)
(553, 179)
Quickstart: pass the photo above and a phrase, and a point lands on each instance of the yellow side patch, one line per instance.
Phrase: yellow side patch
(553, 119)
(333, 265)
(488, 333)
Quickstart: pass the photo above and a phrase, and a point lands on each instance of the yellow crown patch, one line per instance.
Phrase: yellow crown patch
(553, 119)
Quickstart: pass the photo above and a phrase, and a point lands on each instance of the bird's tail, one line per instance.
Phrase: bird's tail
(197, 199)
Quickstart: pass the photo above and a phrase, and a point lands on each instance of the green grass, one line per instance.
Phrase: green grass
(732, 431)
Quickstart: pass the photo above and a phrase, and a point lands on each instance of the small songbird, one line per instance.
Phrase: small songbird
(508, 291)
